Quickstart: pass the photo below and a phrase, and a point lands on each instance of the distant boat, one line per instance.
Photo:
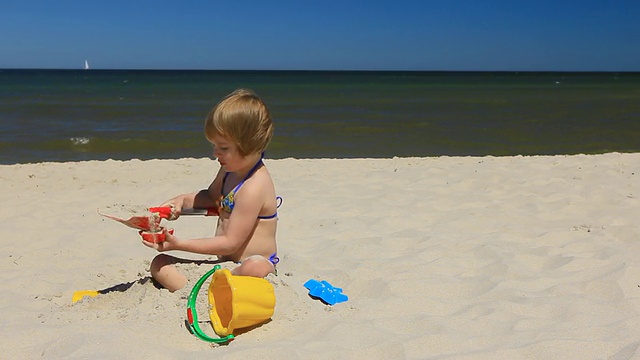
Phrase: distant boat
(86, 65)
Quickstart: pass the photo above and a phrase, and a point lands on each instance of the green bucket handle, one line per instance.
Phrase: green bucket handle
(192, 315)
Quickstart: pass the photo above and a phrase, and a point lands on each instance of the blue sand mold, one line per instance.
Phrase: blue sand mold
(325, 291)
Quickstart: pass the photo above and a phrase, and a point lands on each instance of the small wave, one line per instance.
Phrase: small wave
(80, 140)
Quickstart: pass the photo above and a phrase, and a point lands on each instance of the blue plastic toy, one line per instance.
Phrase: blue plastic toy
(325, 292)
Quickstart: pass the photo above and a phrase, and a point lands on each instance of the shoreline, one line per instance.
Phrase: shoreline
(464, 257)
(187, 158)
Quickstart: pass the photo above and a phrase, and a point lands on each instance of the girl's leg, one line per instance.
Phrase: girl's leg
(256, 265)
(165, 273)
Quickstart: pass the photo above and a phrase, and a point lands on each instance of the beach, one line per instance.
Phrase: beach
(515, 257)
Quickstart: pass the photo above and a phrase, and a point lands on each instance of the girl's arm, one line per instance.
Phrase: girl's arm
(217, 245)
(209, 197)
(202, 199)
(240, 227)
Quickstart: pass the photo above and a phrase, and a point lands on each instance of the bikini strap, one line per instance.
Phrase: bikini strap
(253, 169)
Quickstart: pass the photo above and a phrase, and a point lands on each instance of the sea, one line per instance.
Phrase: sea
(78, 115)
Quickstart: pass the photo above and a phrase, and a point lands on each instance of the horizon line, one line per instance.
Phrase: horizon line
(328, 70)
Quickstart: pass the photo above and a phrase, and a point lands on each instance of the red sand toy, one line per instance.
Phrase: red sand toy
(154, 237)
(150, 222)
(149, 225)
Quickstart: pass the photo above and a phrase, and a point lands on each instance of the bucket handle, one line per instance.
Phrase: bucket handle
(192, 315)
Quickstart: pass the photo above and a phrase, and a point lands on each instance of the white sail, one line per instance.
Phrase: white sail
(86, 65)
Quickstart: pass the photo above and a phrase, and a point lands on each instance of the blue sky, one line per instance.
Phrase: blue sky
(511, 35)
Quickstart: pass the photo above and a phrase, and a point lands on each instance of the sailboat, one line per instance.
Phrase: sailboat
(86, 65)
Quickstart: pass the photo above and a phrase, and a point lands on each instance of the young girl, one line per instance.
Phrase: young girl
(240, 128)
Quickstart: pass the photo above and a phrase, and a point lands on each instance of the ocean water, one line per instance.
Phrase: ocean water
(69, 115)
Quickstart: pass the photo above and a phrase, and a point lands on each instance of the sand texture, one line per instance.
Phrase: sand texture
(442, 258)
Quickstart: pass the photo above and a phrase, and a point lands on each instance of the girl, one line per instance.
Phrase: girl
(240, 128)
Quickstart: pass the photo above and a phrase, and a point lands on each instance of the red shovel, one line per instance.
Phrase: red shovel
(151, 222)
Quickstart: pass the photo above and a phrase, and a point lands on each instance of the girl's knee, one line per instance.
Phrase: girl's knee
(163, 271)
(159, 262)
(257, 266)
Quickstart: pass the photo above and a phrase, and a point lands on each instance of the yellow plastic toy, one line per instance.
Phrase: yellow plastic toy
(80, 294)
(235, 302)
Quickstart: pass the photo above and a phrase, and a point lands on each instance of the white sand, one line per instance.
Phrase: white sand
(442, 258)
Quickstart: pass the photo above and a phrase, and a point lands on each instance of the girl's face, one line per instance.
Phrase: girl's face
(227, 153)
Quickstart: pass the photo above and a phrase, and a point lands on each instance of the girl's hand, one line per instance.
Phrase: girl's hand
(176, 209)
(170, 242)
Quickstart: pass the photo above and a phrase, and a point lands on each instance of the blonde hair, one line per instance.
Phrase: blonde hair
(242, 118)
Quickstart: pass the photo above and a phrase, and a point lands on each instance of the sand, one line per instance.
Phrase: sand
(442, 258)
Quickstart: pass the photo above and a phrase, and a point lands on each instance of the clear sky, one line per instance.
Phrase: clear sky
(511, 35)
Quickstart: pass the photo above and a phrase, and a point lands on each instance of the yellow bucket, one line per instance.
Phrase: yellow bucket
(239, 301)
